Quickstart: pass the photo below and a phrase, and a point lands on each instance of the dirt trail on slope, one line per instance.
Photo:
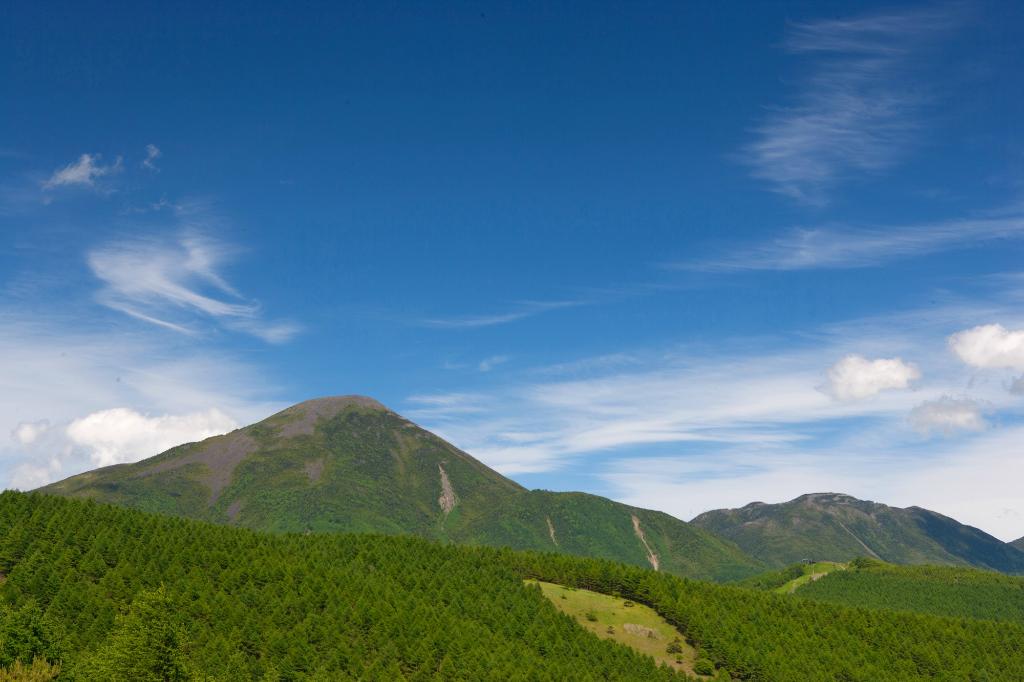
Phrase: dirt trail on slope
(651, 556)
(861, 542)
(551, 530)
(447, 499)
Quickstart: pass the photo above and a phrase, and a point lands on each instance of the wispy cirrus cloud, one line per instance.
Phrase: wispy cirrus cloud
(522, 311)
(172, 284)
(859, 247)
(85, 172)
(684, 430)
(856, 112)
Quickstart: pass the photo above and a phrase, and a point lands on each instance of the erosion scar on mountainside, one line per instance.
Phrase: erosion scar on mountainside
(447, 499)
(651, 556)
(551, 530)
(870, 551)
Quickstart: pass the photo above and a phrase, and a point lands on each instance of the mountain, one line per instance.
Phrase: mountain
(1018, 543)
(350, 464)
(836, 527)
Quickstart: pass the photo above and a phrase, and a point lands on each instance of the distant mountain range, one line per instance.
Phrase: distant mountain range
(1018, 543)
(350, 464)
(836, 527)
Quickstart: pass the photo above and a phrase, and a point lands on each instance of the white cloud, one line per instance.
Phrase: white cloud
(27, 433)
(989, 346)
(83, 172)
(712, 401)
(847, 247)
(122, 435)
(975, 482)
(52, 375)
(684, 431)
(855, 377)
(947, 414)
(152, 154)
(487, 364)
(169, 283)
(524, 310)
(856, 112)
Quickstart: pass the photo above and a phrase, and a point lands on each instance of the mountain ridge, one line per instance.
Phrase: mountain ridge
(349, 463)
(840, 527)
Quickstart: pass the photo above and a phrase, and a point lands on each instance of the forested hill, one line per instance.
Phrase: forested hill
(941, 590)
(350, 464)
(116, 594)
(836, 527)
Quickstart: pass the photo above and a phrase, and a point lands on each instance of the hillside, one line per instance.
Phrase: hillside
(116, 594)
(350, 464)
(940, 590)
(836, 527)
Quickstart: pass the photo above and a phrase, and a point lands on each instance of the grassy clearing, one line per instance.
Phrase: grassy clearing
(812, 572)
(636, 626)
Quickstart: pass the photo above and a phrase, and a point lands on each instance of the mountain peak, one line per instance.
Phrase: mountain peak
(303, 417)
(827, 498)
(336, 403)
(839, 527)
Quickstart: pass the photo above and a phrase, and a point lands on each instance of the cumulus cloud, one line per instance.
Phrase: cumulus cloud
(855, 377)
(105, 437)
(54, 375)
(121, 434)
(83, 172)
(989, 346)
(152, 154)
(947, 415)
(27, 433)
(169, 283)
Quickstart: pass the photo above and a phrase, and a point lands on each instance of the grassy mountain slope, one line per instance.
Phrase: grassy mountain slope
(835, 527)
(117, 594)
(940, 590)
(349, 464)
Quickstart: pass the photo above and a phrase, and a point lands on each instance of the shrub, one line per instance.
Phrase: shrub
(703, 666)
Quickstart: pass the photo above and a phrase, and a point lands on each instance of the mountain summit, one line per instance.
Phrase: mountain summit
(837, 527)
(349, 463)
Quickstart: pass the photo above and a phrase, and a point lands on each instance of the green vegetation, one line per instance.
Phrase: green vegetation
(764, 636)
(351, 465)
(103, 591)
(940, 590)
(115, 594)
(787, 580)
(840, 528)
(635, 625)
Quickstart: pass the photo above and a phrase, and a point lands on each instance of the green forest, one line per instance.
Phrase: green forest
(940, 590)
(99, 592)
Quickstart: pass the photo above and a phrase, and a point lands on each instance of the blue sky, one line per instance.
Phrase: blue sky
(684, 255)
